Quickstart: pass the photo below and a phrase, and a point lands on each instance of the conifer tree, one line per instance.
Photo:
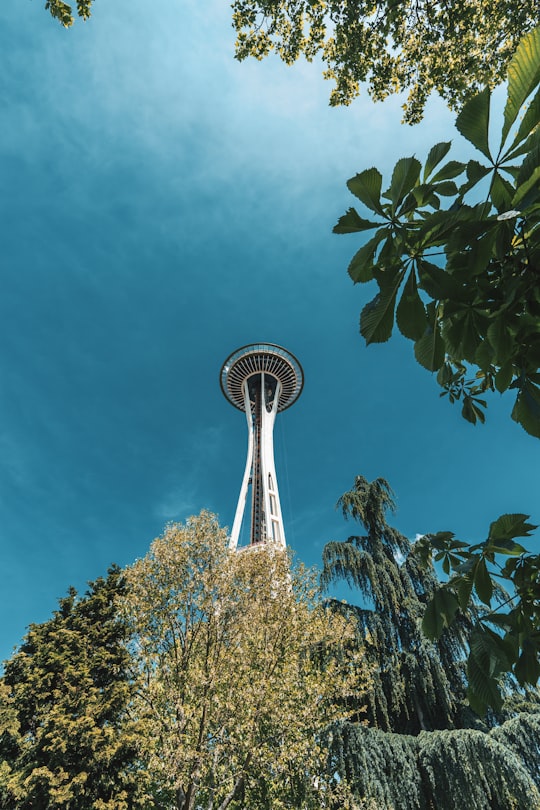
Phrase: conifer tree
(425, 748)
(418, 685)
(65, 736)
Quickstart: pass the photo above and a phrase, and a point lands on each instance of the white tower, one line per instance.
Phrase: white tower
(261, 379)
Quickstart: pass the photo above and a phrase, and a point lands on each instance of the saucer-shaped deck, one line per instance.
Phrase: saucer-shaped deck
(262, 357)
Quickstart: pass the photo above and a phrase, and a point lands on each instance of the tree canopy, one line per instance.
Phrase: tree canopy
(238, 670)
(454, 49)
(480, 310)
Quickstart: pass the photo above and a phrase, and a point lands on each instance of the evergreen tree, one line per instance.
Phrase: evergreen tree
(65, 737)
(418, 685)
(425, 747)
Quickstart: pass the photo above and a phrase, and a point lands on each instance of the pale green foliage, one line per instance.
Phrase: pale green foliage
(416, 45)
(481, 309)
(235, 671)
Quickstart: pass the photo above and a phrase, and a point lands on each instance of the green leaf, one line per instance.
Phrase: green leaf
(523, 76)
(475, 172)
(470, 410)
(439, 613)
(446, 188)
(501, 192)
(410, 313)
(503, 377)
(473, 122)
(483, 583)
(526, 410)
(429, 350)
(351, 222)
(449, 171)
(404, 177)
(527, 669)
(441, 539)
(361, 266)
(530, 120)
(377, 317)
(502, 340)
(508, 547)
(509, 526)
(483, 669)
(367, 187)
(464, 589)
(437, 282)
(532, 182)
(462, 332)
(436, 154)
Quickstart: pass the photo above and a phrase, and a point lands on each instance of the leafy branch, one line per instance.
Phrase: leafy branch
(479, 309)
(507, 633)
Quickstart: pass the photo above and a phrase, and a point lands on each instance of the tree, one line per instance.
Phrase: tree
(420, 46)
(442, 755)
(65, 735)
(506, 635)
(235, 671)
(417, 685)
(481, 309)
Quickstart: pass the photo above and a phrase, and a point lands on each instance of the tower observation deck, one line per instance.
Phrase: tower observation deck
(261, 379)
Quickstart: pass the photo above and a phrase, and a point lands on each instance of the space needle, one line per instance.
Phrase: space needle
(261, 379)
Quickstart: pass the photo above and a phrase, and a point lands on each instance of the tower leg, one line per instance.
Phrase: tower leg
(240, 509)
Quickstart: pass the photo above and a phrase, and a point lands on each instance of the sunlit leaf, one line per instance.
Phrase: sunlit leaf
(523, 77)
(509, 526)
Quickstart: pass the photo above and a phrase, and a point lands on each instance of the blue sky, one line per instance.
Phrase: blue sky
(161, 205)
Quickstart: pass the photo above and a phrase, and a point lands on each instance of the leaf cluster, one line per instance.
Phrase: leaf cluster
(506, 637)
(63, 12)
(461, 279)
(419, 46)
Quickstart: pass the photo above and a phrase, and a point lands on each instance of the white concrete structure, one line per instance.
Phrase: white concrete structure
(261, 379)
